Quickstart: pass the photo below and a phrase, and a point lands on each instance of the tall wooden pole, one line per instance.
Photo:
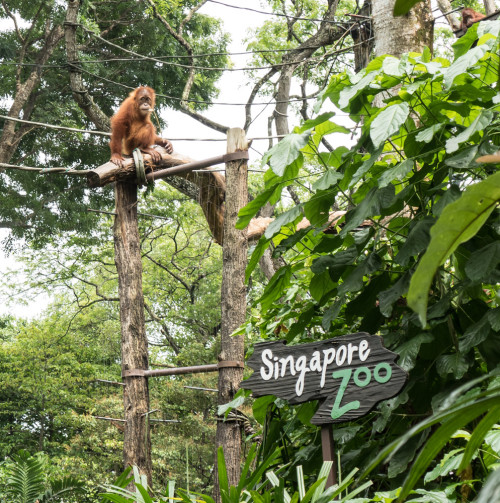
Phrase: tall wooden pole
(136, 441)
(233, 304)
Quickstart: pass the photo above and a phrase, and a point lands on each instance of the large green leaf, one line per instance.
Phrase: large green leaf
(283, 219)
(286, 151)
(461, 65)
(349, 93)
(276, 287)
(398, 172)
(483, 261)
(252, 208)
(479, 123)
(388, 122)
(458, 222)
(402, 7)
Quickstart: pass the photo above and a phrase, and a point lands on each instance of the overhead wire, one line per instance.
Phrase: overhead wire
(278, 14)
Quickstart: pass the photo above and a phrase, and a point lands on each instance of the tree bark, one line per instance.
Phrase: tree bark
(233, 305)
(397, 35)
(24, 98)
(136, 441)
(489, 6)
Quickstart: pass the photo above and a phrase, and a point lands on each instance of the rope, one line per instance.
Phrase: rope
(139, 167)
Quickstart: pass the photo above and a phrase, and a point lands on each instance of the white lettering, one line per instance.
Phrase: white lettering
(267, 354)
(284, 361)
(301, 366)
(341, 359)
(364, 350)
(329, 357)
(315, 362)
(351, 348)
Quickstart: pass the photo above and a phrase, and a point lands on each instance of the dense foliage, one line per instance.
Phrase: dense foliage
(410, 183)
(38, 208)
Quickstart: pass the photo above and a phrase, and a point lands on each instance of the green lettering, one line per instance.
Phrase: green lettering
(337, 411)
(367, 379)
(388, 372)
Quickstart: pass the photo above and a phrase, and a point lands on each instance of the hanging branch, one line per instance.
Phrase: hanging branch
(192, 74)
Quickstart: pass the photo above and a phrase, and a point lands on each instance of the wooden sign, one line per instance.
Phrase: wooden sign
(349, 374)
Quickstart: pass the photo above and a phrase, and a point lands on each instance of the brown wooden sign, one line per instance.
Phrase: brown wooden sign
(349, 374)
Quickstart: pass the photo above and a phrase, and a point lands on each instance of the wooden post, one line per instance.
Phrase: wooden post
(329, 453)
(233, 305)
(136, 441)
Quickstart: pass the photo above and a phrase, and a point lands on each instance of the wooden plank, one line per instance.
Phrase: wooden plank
(348, 374)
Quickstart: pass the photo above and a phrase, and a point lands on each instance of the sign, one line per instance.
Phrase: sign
(349, 374)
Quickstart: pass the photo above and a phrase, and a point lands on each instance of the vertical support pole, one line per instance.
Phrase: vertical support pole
(233, 304)
(329, 452)
(136, 440)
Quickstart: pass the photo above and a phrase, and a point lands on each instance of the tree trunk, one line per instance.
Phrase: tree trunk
(233, 305)
(136, 441)
(489, 7)
(397, 35)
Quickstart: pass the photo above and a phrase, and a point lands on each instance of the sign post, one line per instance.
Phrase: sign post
(349, 375)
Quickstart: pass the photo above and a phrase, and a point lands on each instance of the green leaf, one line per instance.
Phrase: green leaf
(331, 313)
(349, 93)
(260, 407)
(388, 122)
(317, 209)
(464, 43)
(290, 242)
(221, 466)
(437, 441)
(330, 178)
(402, 7)
(461, 65)
(426, 135)
(483, 261)
(367, 164)
(370, 206)
(340, 259)
(283, 219)
(252, 208)
(454, 364)
(233, 404)
(479, 123)
(475, 334)
(397, 173)
(354, 281)
(491, 489)
(450, 462)
(463, 159)
(458, 222)
(312, 123)
(276, 287)
(388, 297)
(286, 151)
(262, 245)
(320, 285)
(408, 351)
(477, 438)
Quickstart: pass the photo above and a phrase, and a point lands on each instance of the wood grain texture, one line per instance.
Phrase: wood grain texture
(134, 344)
(286, 384)
(233, 303)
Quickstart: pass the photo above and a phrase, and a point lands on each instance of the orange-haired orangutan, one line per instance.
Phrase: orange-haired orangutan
(132, 128)
(469, 17)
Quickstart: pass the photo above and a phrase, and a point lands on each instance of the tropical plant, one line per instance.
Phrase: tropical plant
(259, 485)
(407, 195)
(27, 481)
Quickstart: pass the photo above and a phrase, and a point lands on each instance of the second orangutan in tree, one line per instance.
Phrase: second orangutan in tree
(469, 17)
(131, 127)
